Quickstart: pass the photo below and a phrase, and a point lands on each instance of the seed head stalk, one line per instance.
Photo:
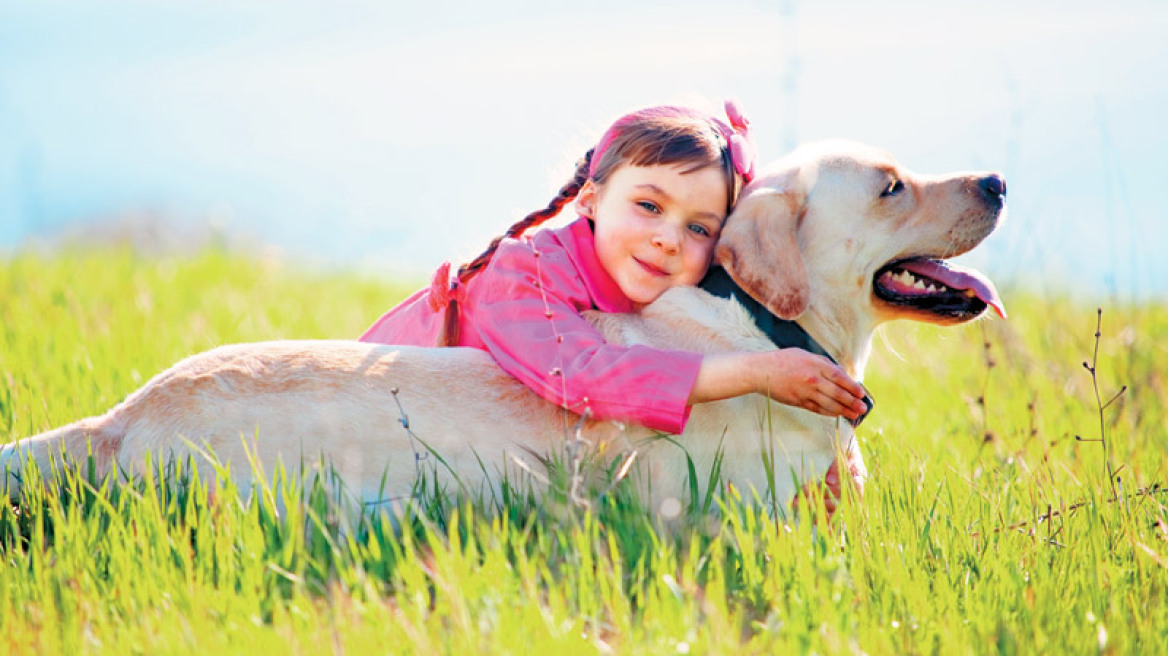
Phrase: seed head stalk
(1107, 469)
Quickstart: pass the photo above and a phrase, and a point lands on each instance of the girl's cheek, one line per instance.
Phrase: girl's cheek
(698, 264)
(703, 243)
(708, 253)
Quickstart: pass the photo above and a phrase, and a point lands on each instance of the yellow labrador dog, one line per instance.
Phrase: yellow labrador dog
(836, 235)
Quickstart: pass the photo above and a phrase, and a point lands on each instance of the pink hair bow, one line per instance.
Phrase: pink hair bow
(443, 290)
(742, 150)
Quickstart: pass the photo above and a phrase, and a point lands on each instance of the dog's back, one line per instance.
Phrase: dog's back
(380, 416)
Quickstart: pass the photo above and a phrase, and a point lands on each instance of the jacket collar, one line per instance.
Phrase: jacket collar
(580, 244)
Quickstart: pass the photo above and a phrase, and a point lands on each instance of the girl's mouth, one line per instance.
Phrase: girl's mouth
(653, 270)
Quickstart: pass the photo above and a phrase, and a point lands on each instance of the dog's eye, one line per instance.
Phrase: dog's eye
(893, 188)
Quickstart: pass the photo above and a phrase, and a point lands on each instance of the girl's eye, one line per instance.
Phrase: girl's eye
(649, 206)
(893, 188)
(699, 229)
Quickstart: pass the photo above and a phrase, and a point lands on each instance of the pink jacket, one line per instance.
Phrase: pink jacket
(506, 313)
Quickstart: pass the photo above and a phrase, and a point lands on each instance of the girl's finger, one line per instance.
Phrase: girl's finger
(827, 406)
(846, 398)
(836, 401)
(844, 381)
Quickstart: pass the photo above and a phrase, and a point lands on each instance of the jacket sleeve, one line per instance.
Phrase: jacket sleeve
(527, 314)
(410, 323)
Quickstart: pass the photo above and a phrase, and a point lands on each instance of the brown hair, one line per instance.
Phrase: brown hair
(641, 141)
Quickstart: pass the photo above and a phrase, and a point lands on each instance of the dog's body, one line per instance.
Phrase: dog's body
(378, 415)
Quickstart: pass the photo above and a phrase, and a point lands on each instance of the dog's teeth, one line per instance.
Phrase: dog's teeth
(919, 285)
(932, 288)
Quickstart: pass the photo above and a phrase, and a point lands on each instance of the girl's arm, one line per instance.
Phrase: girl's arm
(527, 314)
(791, 376)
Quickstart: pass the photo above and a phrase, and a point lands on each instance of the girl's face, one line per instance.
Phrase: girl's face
(656, 226)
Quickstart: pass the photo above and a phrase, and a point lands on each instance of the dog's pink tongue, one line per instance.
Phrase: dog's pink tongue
(958, 278)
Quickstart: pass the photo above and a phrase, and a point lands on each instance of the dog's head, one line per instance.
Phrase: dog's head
(841, 227)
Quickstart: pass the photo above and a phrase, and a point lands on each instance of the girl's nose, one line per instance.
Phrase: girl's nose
(667, 239)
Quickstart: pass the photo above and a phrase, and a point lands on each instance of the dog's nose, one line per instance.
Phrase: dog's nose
(993, 185)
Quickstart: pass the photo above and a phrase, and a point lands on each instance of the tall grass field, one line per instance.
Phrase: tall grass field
(1016, 502)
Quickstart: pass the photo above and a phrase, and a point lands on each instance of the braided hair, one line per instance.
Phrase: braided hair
(644, 141)
(450, 332)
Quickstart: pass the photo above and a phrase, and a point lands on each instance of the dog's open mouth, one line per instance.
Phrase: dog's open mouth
(938, 288)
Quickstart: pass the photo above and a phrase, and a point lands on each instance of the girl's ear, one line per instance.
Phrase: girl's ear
(759, 248)
(586, 200)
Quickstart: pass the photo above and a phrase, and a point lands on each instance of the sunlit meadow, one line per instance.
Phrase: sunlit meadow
(994, 521)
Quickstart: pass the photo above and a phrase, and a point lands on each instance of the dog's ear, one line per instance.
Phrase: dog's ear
(759, 248)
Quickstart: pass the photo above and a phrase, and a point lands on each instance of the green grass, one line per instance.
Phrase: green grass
(966, 441)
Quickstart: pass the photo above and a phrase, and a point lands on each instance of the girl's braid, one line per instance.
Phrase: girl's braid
(450, 331)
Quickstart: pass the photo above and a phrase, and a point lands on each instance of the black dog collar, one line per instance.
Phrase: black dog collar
(784, 333)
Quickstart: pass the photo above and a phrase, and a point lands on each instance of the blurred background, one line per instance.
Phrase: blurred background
(388, 136)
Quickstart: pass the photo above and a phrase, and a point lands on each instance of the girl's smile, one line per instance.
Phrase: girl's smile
(653, 270)
(655, 226)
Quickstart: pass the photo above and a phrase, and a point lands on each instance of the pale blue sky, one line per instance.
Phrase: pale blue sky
(392, 138)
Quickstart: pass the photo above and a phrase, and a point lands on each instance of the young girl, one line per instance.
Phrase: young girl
(651, 197)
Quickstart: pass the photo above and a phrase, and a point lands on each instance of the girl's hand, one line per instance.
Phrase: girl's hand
(812, 382)
(791, 376)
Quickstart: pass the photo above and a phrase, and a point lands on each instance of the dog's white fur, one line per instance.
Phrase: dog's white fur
(806, 240)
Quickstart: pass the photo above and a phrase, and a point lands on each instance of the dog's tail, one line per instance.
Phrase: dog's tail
(93, 441)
